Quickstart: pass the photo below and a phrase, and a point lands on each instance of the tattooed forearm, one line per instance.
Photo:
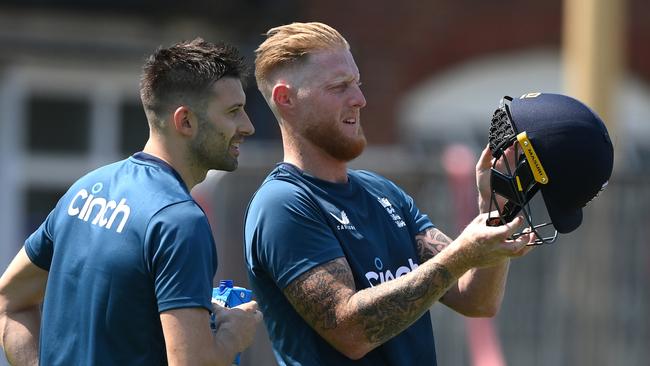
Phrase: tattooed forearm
(389, 309)
(316, 294)
(326, 298)
(431, 242)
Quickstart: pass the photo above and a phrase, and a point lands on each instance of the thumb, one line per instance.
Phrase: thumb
(513, 226)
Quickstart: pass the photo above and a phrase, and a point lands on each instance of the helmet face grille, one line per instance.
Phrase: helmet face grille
(512, 181)
(501, 134)
(518, 187)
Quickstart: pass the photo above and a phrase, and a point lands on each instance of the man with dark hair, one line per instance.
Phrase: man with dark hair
(124, 264)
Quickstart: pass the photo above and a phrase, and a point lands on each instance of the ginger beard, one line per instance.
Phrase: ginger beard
(331, 138)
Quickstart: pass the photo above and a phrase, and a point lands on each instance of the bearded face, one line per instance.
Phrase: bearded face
(330, 101)
(336, 140)
(222, 125)
(210, 149)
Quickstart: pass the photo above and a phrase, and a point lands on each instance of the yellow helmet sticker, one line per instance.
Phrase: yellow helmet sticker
(533, 161)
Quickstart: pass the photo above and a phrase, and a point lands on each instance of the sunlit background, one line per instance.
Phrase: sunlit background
(433, 72)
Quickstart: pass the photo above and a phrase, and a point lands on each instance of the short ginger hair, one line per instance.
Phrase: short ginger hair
(290, 45)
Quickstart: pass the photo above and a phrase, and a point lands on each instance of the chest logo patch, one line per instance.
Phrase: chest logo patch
(397, 219)
(343, 221)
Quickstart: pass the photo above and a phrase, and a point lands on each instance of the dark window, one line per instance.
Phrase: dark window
(40, 201)
(134, 130)
(58, 124)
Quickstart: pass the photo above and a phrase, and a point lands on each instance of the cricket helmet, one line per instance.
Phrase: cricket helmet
(562, 148)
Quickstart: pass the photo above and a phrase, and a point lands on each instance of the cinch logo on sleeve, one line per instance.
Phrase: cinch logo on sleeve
(379, 277)
(85, 205)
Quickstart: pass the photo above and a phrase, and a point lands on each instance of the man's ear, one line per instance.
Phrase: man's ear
(183, 119)
(282, 95)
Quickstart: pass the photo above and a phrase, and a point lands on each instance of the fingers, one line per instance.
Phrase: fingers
(510, 152)
(510, 156)
(485, 161)
(531, 237)
(217, 309)
(502, 232)
(250, 306)
(239, 322)
(519, 244)
(525, 250)
(508, 229)
(249, 309)
(258, 316)
(513, 226)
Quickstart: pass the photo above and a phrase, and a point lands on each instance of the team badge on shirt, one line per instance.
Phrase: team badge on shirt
(385, 203)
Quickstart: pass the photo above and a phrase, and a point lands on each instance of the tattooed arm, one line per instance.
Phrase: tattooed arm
(356, 322)
(477, 293)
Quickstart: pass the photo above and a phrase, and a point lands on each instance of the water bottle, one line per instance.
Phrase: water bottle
(229, 296)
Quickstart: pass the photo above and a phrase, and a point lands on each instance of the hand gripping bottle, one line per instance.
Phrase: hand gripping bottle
(229, 296)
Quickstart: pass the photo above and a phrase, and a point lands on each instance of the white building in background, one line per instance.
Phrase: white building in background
(57, 123)
(457, 105)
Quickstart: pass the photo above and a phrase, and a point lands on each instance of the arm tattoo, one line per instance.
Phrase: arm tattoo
(325, 297)
(388, 309)
(430, 242)
(316, 294)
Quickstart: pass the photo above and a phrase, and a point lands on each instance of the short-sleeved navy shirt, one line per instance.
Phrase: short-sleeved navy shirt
(126, 242)
(296, 222)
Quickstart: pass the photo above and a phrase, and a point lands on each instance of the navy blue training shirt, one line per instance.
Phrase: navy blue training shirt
(296, 222)
(124, 243)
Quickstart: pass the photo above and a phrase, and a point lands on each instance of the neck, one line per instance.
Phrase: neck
(313, 160)
(173, 156)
